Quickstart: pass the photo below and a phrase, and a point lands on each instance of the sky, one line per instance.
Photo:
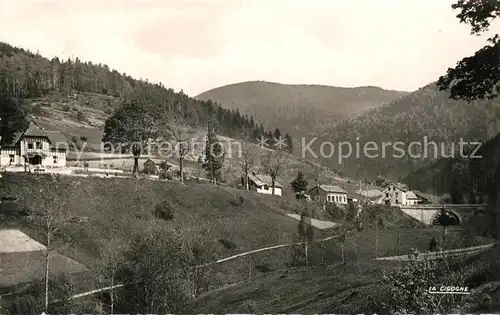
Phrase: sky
(199, 45)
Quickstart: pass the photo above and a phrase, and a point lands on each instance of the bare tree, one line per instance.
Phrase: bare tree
(248, 159)
(275, 165)
(180, 129)
(342, 239)
(54, 216)
(111, 257)
(306, 232)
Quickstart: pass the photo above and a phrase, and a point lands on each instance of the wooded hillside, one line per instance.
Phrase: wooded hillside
(24, 74)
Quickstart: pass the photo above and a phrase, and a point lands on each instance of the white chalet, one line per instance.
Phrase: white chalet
(263, 184)
(35, 147)
(329, 193)
(395, 194)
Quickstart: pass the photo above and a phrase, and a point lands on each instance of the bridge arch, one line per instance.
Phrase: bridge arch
(455, 218)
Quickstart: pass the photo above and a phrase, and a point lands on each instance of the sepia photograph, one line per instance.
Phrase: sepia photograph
(249, 157)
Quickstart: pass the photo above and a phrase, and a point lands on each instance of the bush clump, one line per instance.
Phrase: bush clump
(164, 211)
(238, 202)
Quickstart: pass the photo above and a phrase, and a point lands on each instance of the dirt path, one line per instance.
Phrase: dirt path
(322, 225)
(15, 241)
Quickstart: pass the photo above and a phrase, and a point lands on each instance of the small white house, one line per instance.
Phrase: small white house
(35, 147)
(395, 194)
(329, 193)
(263, 184)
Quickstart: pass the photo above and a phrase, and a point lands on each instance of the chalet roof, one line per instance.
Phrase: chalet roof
(150, 161)
(333, 189)
(56, 138)
(411, 195)
(260, 179)
(34, 131)
(400, 186)
(15, 139)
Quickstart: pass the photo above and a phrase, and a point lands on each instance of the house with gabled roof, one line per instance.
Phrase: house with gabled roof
(35, 147)
(329, 193)
(395, 194)
(263, 184)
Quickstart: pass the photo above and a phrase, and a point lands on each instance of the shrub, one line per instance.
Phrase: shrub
(66, 108)
(238, 202)
(227, 244)
(408, 288)
(164, 211)
(154, 260)
(336, 212)
(83, 138)
(352, 211)
(248, 307)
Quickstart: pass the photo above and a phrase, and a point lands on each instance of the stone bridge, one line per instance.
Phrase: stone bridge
(428, 213)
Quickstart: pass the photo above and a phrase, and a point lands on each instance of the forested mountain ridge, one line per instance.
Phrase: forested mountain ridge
(24, 74)
(465, 179)
(424, 114)
(299, 109)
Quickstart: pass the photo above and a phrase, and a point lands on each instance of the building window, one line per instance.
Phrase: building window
(386, 195)
(55, 159)
(396, 193)
(345, 199)
(11, 159)
(397, 201)
(39, 145)
(30, 145)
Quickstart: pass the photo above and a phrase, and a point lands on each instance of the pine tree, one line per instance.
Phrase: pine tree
(277, 134)
(289, 143)
(270, 137)
(256, 134)
(299, 184)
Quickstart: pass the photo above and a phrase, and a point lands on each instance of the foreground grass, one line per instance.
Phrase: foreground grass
(303, 290)
(355, 287)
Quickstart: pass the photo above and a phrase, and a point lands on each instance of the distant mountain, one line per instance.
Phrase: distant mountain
(424, 116)
(299, 109)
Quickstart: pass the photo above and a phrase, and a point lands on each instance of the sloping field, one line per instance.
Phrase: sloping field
(23, 267)
(22, 259)
(100, 210)
(105, 213)
(339, 288)
(352, 288)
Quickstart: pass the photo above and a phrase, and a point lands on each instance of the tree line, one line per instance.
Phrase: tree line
(25, 74)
